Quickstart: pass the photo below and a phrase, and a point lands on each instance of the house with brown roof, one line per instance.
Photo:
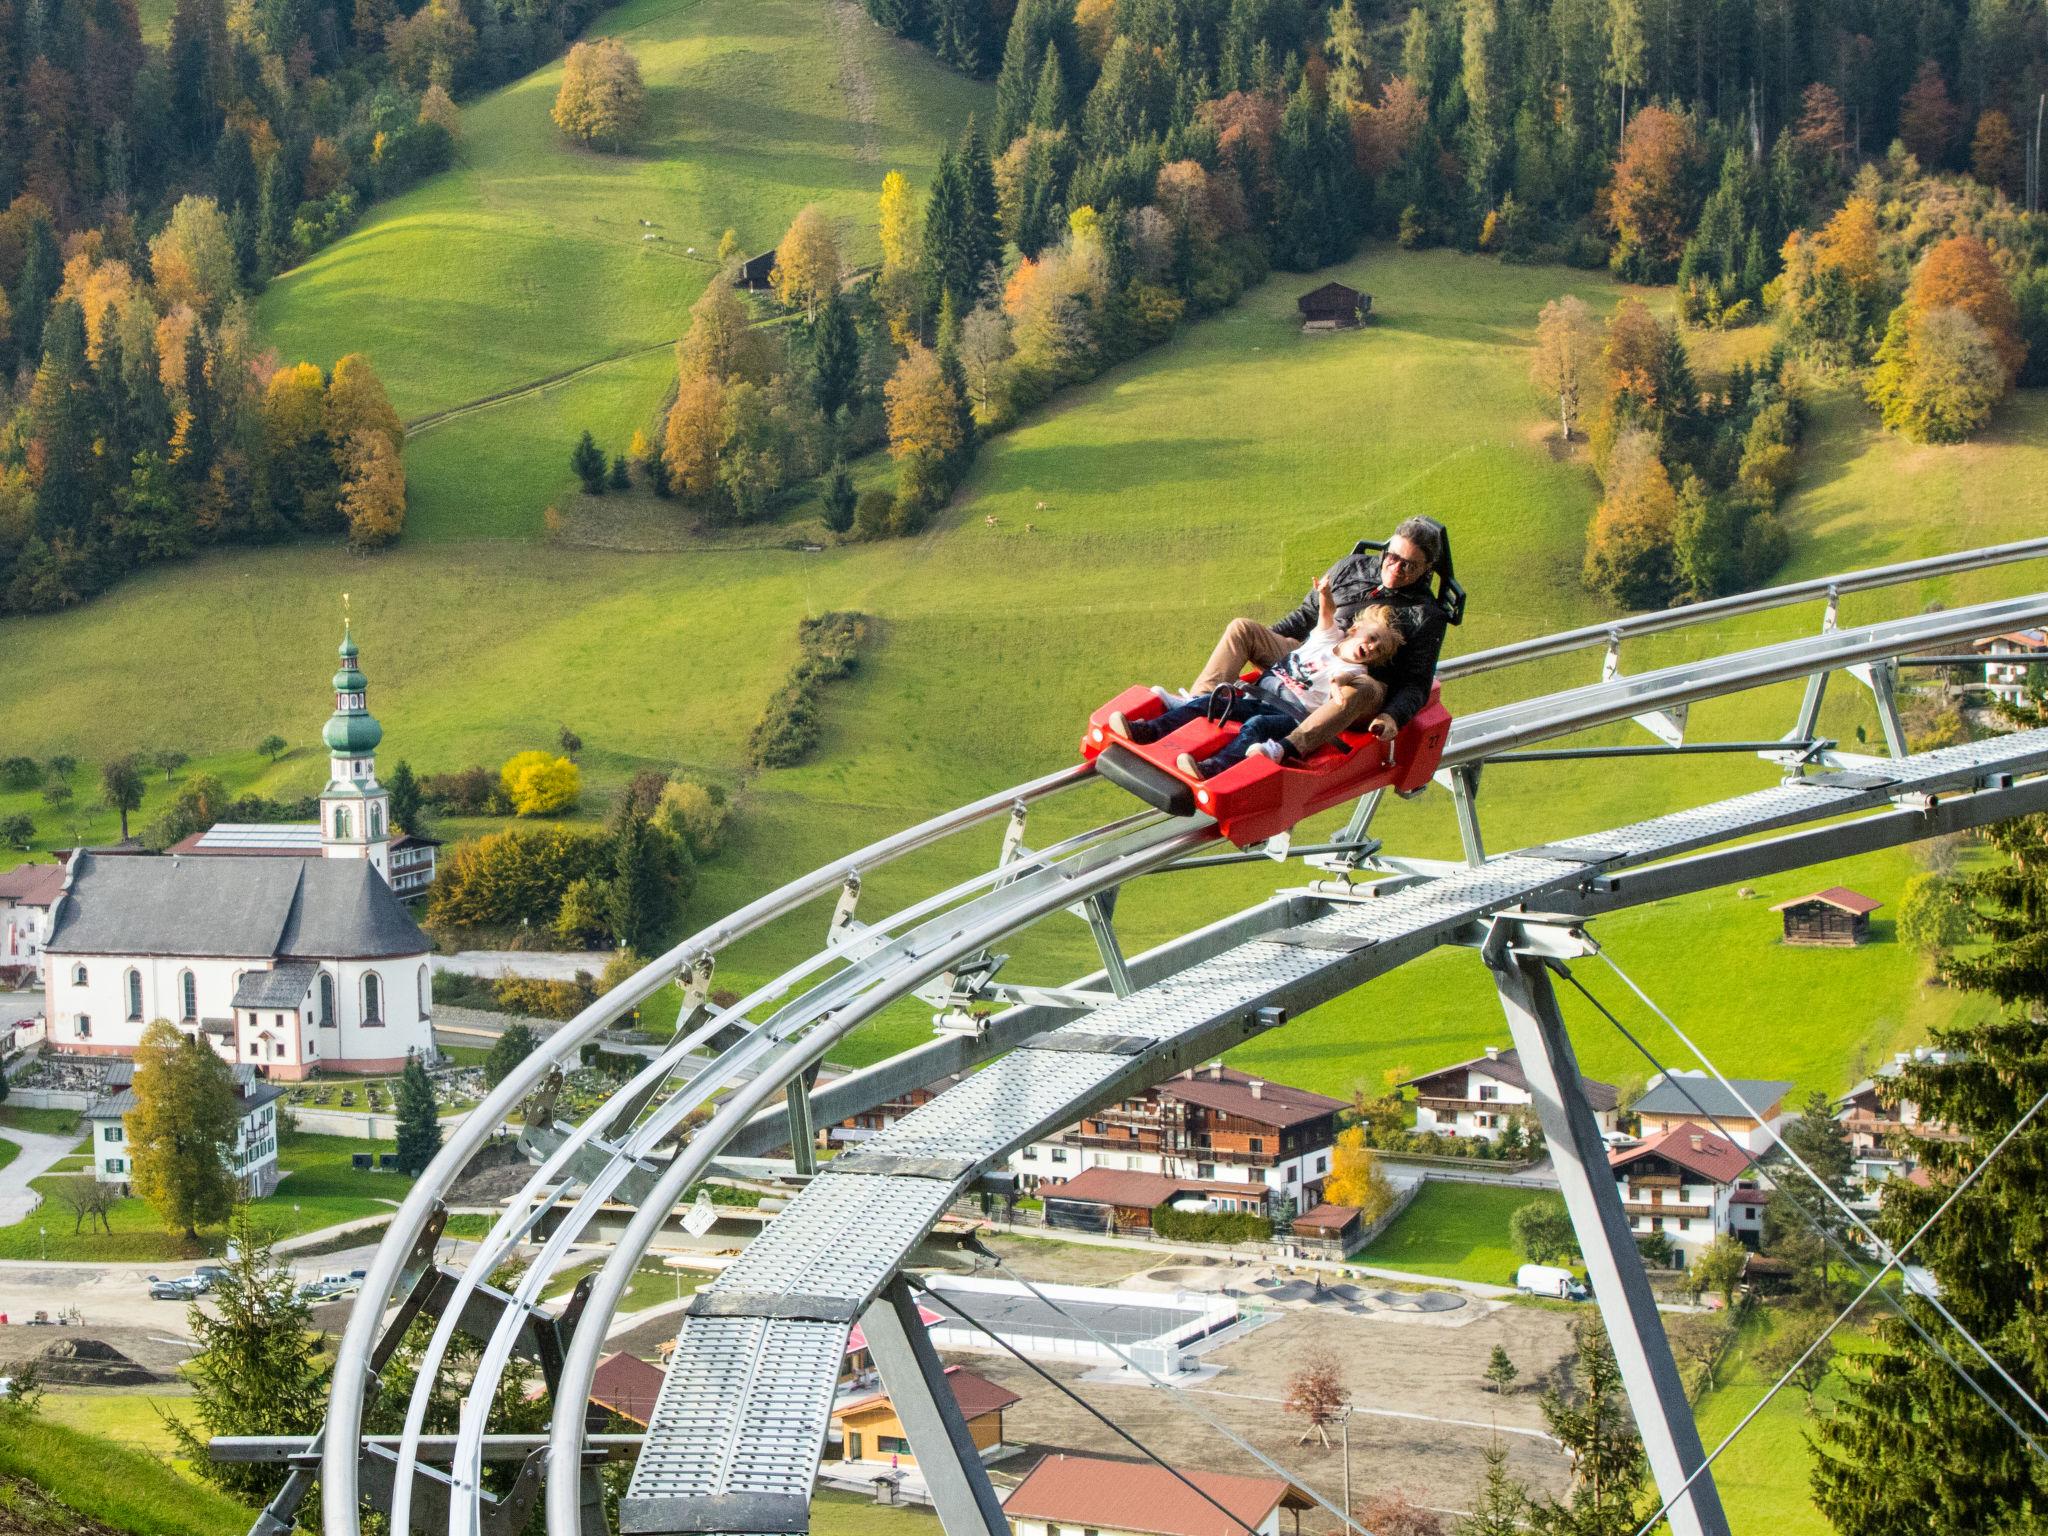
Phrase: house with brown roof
(1481, 1097)
(1691, 1185)
(1117, 1199)
(1836, 916)
(27, 892)
(1213, 1124)
(627, 1386)
(1067, 1493)
(868, 1428)
(1883, 1126)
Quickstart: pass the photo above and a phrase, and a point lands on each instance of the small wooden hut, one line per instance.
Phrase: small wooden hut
(1837, 916)
(754, 272)
(1333, 307)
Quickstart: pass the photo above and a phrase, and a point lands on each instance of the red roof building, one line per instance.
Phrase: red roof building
(1691, 1185)
(627, 1386)
(1109, 1199)
(1835, 916)
(1125, 1498)
(1212, 1124)
(869, 1429)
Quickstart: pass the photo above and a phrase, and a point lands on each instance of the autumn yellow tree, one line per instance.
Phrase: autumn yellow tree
(1995, 155)
(192, 258)
(356, 402)
(437, 108)
(372, 488)
(896, 286)
(1356, 1178)
(1960, 274)
(1567, 347)
(602, 99)
(1938, 375)
(807, 263)
(695, 433)
(924, 429)
(299, 468)
(429, 46)
(539, 783)
(181, 1133)
(1629, 555)
(721, 342)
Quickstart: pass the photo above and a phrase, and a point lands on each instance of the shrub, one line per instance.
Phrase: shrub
(472, 791)
(694, 814)
(1209, 1226)
(543, 997)
(873, 513)
(20, 773)
(828, 647)
(539, 783)
(512, 876)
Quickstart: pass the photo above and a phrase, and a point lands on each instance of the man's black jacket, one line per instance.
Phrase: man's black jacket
(1355, 586)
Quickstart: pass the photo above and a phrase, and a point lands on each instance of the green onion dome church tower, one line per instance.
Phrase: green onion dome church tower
(355, 810)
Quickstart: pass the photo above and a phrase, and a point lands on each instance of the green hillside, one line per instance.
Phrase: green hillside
(534, 258)
(1214, 476)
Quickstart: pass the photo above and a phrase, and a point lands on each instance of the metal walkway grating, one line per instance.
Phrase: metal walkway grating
(743, 1411)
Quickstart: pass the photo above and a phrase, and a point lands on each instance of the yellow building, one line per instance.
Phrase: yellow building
(870, 1431)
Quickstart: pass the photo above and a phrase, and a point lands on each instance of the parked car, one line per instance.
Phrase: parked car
(176, 1290)
(212, 1274)
(1550, 1280)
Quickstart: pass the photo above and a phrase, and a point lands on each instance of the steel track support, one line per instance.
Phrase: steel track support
(923, 1399)
(803, 1130)
(1465, 799)
(1591, 1196)
(1100, 913)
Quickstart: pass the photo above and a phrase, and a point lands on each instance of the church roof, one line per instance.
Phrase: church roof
(284, 985)
(235, 906)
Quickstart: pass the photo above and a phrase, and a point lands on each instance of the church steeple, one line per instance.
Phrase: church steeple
(355, 810)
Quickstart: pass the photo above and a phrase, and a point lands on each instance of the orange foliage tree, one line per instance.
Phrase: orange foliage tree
(1655, 188)
(1959, 274)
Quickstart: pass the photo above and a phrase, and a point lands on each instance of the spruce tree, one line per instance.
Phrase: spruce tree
(1050, 108)
(840, 498)
(945, 223)
(1501, 1506)
(1910, 1448)
(984, 240)
(406, 801)
(650, 869)
(42, 274)
(588, 461)
(1594, 1427)
(419, 1124)
(835, 358)
(258, 1369)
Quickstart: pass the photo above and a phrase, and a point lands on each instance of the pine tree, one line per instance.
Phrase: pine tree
(945, 223)
(275, 203)
(182, 1130)
(1500, 1370)
(61, 426)
(406, 804)
(257, 1371)
(419, 1123)
(588, 460)
(649, 868)
(835, 358)
(42, 274)
(1501, 1506)
(1909, 1447)
(1050, 108)
(1596, 1431)
(840, 498)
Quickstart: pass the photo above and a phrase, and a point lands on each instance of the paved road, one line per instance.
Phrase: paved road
(38, 1151)
(16, 1006)
(549, 965)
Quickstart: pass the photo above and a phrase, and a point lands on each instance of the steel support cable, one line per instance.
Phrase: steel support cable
(1098, 1415)
(1026, 901)
(1896, 1261)
(349, 1381)
(1840, 1204)
(1168, 1387)
(1821, 1232)
(522, 1213)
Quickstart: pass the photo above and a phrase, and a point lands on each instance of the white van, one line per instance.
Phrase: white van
(1550, 1280)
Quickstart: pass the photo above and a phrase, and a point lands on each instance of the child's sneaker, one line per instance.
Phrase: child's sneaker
(1269, 749)
(1118, 725)
(1170, 697)
(1186, 764)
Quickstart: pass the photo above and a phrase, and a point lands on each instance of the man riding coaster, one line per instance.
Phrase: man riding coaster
(1288, 693)
(1393, 683)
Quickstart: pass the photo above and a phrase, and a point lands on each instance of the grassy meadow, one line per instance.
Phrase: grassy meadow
(1213, 476)
(535, 258)
(1459, 1231)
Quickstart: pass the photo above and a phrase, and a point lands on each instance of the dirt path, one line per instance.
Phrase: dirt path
(1424, 1414)
(846, 20)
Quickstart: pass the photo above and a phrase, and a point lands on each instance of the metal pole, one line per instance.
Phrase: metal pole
(1670, 1439)
(1100, 912)
(923, 1399)
(1464, 799)
(803, 1133)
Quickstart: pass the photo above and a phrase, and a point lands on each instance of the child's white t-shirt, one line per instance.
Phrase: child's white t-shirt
(1308, 673)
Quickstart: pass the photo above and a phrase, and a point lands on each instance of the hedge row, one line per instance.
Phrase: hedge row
(828, 648)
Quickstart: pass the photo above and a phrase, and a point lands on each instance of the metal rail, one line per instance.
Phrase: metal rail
(880, 968)
(1615, 631)
(349, 1381)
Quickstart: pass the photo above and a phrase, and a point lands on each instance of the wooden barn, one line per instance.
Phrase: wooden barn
(754, 272)
(1836, 915)
(1333, 307)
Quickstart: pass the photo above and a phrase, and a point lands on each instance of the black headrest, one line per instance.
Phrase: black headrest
(1449, 595)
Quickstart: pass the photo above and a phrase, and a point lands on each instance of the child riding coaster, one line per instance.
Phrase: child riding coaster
(1270, 712)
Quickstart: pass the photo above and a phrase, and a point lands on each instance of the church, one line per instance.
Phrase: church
(286, 964)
